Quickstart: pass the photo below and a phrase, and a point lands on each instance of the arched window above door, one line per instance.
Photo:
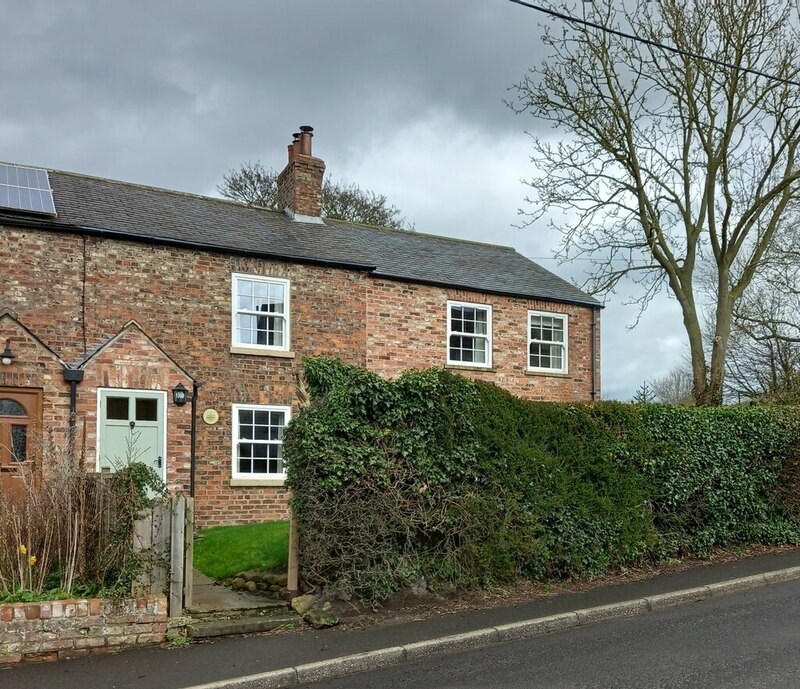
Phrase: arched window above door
(11, 408)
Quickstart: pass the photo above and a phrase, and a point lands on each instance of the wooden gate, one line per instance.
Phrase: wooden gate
(164, 536)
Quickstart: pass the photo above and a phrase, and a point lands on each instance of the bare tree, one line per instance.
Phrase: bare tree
(763, 365)
(764, 361)
(256, 185)
(674, 170)
(252, 184)
(674, 387)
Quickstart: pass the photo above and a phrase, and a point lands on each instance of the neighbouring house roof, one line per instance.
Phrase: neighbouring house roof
(117, 209)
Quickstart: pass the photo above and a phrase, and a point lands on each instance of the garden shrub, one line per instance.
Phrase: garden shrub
(434, 476)
(70, 531)
(714, 475)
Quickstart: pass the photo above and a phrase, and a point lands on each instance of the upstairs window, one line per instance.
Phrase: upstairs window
(260, 312)
(547, 342)
(469, 334)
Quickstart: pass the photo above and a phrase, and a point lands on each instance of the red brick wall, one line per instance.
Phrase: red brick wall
(75, 293)
(132, 361)
(407, 328)
(41, 281)
(181, 299)
(36, 368)
(52, 630)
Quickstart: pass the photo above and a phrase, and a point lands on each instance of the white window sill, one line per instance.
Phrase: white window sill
(467, 367)
(545, 372)
(257, 482)
(258, 351)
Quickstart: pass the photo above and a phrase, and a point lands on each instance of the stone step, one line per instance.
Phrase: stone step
(202, 629)
(266, 607)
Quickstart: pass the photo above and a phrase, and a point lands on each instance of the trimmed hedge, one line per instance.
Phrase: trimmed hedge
(459, 482)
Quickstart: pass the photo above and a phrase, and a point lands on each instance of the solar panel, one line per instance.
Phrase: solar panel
(26, 189)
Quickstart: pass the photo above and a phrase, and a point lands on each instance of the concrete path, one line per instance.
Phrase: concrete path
(745, 640)
(209, 596)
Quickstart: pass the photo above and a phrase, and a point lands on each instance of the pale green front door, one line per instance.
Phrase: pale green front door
(131, 429)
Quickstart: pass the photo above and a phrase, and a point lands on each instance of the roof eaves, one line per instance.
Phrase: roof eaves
(179, 243)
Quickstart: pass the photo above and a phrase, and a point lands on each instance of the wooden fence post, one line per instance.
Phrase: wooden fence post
(292, 574)
(188, 554)
(177, 519)
(142, 543)
(161, 530)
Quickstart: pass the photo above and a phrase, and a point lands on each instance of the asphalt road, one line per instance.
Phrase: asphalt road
(745, 640)
(590, 657)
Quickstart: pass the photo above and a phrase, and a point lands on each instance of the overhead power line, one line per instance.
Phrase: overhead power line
(576, 258)
(654, 44)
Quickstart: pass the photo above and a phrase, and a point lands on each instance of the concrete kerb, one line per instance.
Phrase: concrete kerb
(670, 600)
(349, 665)
(612, 611)
(541, 625)
(274, 679)
(385, 657)
(451, 644)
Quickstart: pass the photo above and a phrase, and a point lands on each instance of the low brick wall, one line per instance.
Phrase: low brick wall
(66, 628)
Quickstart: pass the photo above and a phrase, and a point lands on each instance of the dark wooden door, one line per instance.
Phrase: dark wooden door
(20, 412)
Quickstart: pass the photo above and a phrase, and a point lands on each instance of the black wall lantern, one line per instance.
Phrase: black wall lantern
(180, 395)
(7, 356)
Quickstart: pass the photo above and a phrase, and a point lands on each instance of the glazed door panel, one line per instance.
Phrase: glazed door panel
(20, 415)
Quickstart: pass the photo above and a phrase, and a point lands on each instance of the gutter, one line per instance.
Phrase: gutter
(193, 452)
(594, 354)
(73, 376)
(372, 270)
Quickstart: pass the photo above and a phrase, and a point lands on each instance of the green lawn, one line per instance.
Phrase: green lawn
(227, 550)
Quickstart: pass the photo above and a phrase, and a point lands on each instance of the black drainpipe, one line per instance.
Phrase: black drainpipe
(73, 376)
(594, 353)
(192, 463)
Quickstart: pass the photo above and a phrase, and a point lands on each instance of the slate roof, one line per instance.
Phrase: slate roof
(130, 211)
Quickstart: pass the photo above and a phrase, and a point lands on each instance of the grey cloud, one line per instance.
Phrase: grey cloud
(173, 93)
(355, 68)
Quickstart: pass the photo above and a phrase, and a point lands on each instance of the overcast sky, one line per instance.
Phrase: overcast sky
(406, 98)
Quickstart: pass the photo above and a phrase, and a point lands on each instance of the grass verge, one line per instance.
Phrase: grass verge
(227, 550)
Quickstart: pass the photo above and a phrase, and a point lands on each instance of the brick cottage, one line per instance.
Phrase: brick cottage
(150, 324)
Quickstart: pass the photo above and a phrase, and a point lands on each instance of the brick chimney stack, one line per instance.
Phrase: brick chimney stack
(300, 183)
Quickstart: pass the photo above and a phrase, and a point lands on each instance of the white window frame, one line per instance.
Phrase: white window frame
(488, 336)
(564, 318)
(284, 283)
(236, 408)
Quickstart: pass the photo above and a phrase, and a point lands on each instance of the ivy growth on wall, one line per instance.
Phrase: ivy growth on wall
(463, 484)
